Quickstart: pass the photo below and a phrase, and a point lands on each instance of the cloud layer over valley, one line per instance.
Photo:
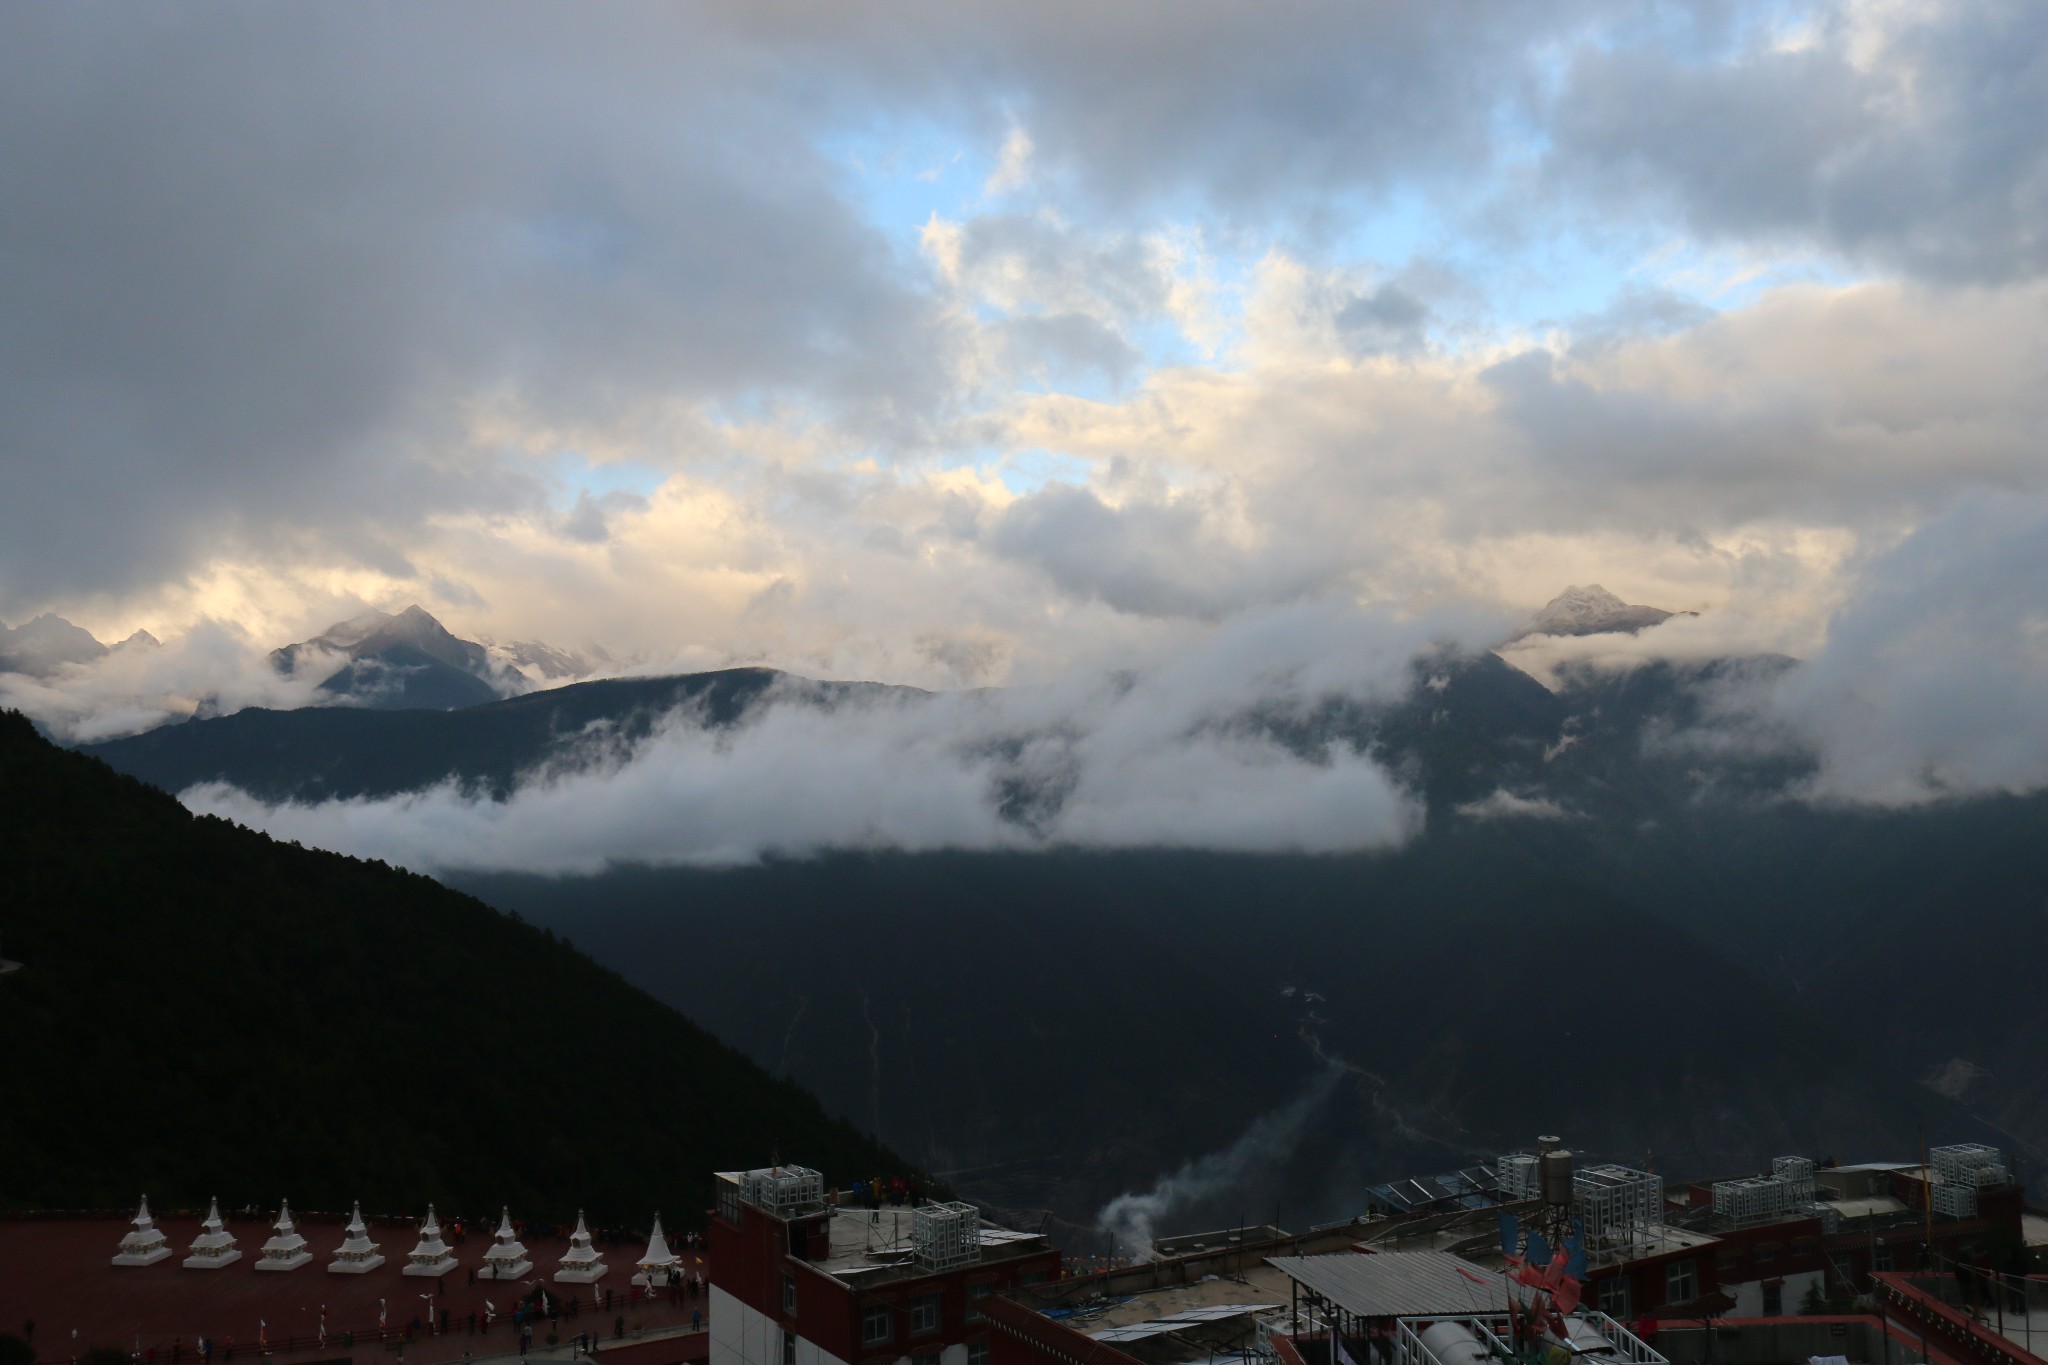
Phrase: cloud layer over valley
(1170, 758)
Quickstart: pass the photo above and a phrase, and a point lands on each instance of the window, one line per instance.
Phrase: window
(924, 1314)
(1031, 1277)
(1766, 1253)
(1883, 1259)
(789, 1294)
(1614, 1297)
(1681, 1282)
(788, 1348)
(977, 1353)
(975, 1294)
(875, 1327)
(1774, 1298)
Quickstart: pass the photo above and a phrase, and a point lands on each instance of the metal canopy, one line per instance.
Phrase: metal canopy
(1134, 1331)
(1396, 1284)
(1216, 1312)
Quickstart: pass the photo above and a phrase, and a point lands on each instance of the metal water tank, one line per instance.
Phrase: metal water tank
(1588, 1343)
(1452, 1343)
(1556, 1170)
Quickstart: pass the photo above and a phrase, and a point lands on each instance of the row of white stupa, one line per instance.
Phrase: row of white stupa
(214, 1248)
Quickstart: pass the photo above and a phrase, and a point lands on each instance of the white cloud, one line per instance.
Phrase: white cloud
(1013, 166)
(214, 667)
(1162, 758)
(1502, 804)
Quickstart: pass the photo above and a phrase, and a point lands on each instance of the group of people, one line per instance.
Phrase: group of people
(882, 1190)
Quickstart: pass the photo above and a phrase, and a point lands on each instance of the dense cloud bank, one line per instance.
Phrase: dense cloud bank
(1930, 686)
(1161, 759)
(212, 669)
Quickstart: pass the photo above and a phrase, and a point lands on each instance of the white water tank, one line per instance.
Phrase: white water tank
(1452, 1343)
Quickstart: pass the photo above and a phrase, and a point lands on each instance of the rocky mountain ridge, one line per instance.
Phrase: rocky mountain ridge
(1590, 609)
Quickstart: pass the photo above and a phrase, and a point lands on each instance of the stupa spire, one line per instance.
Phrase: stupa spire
(582, 1264)
(214, 1247)
(507, 1259)
(431, 1257)
(659, 1266)
(146, 1244)
(357, 1253)
(286, 1249)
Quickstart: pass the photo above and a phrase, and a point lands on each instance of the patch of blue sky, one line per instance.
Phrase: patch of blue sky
(1024, 472)
(1161, 344)
(572, 473)
(1549, 281)
(899, 172)
(1393, 230)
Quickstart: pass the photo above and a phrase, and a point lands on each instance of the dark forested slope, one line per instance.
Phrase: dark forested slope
(202, 1010)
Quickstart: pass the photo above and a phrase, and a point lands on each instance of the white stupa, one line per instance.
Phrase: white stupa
(285, 1250)
(214, 1247)
(582, 1265)
(506, 1260)
(431, 1257)
(659, 1264)
(147, 1244)
(357, 1253)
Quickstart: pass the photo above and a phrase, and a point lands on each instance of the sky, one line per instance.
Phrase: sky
(962, 344)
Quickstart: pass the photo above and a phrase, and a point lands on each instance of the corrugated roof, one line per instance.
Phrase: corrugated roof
(1136, 1330)
(1396, 1284)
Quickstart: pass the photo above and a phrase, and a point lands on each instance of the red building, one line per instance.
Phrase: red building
(802, 1276)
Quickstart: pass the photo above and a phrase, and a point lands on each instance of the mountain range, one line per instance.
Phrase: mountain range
(396, 663)
(42, 646)
(1656, 948)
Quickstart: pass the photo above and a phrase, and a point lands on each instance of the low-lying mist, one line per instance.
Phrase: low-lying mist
(1163, 758)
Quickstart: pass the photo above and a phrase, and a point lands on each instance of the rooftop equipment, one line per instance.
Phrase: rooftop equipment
(1957, 1201)
(1518, 1176)
(783, 1190)
(1618, 1204)
(1969, 1163)
(945, 1235)
(1788, 1189)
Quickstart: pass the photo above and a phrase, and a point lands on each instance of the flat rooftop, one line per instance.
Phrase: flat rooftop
(1210, 1316)
(1397, 1284)
(865, 1244)
(870, 1246)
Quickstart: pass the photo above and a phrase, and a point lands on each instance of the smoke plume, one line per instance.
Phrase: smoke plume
(1132, 1220)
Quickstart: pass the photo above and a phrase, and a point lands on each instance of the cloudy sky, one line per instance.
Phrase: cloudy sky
(959, 343)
